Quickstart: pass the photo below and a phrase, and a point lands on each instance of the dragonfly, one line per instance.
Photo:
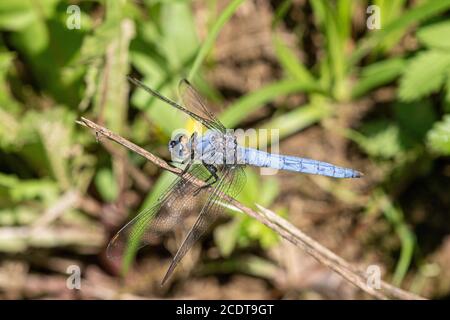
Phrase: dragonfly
(215, 158)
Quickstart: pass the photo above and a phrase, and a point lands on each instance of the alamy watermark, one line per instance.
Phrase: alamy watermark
(373, 274)
(374, 20)
(74, 19)
(73, 281)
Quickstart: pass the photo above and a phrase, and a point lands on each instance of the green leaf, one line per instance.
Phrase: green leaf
(344, 17)
(298, 119)
(106, 184)
(94, 45)
(162, 55)
(20, 14)
(16, 15)
(438, 138)
(413, 16)
(379, 139)
(9, 131)
(389, 12)
(261, 191)
(255, 230)
(280, 12)
(290, 63)
(55, 129)
(47, 60)
(424, 75)
(243, 231)
(16, 190)
(435, 35)
(328, 20)
(111, 99)
(179, 35)
(226, 236)
(212, 35)
(268, 192)
(414, 119)
(408, 244)
(394, 215)
(447, 92)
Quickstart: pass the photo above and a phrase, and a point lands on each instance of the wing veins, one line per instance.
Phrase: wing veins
(198, 228)
(149, 218)
(207, 123)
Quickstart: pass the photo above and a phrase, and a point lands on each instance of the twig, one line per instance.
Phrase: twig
(24, 236)
(276, 223)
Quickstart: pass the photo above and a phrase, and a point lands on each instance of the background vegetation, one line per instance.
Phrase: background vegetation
(374, 100)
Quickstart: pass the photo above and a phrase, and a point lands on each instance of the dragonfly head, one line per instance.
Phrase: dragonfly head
(179, 147)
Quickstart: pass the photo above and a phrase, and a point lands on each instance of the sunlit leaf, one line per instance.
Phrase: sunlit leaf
(291, 63)
(439, 136)
(379, 139)
(243, 107)
(378, 74)
(435, 35)
(20, 14)
(424, 75)
(106, 184)
(414, 119)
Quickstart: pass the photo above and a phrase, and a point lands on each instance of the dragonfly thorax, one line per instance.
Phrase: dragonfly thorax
(218, 148)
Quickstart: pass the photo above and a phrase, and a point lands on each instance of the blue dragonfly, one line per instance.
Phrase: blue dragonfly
(218, 160)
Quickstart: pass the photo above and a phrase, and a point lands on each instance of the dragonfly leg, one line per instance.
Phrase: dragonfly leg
(186, 168)
(213, 171)
(176, 164)
(190, 160)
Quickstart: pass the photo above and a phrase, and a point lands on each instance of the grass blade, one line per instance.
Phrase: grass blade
(291, 63)
(415, 15)
(209, 41)
(298, 119)
(239, 110)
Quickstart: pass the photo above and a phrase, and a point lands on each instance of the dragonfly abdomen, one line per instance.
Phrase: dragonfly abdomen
(263, 159)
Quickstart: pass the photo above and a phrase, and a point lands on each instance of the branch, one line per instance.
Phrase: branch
(67, 201)
(285, 229)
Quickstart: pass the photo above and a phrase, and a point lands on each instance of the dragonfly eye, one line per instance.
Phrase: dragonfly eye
(182, 138)
(178, 146)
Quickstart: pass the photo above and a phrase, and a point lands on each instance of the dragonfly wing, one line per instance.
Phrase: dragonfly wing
(171, 207)
(230, 182)
(237, 181)
(193, 101)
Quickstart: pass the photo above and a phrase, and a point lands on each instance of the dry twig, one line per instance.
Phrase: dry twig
(285, 229)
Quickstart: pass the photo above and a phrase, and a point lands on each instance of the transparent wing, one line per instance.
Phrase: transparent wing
(238, 180)
(194, 107)
(172, 206)
(229, 183)
(168, 212)
(193, 101)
